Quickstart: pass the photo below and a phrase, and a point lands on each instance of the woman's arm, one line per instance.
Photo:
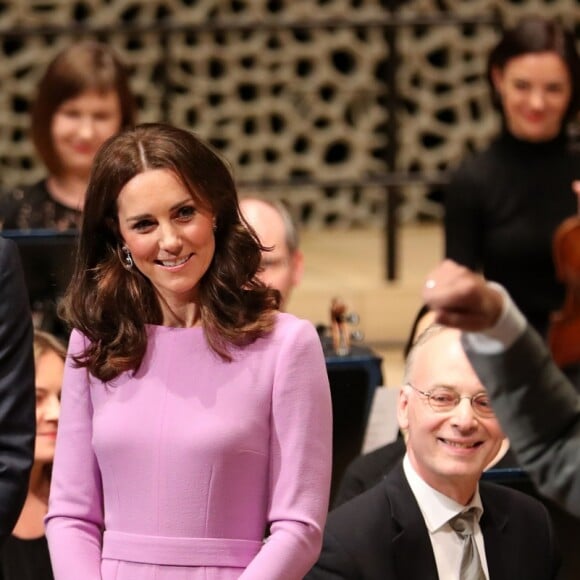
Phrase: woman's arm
(300, 459)
(74, 523)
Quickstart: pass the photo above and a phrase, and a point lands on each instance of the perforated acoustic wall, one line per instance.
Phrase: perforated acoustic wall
(305, 98)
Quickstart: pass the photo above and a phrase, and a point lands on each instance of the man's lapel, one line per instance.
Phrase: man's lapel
(493, 523)
(412, 551)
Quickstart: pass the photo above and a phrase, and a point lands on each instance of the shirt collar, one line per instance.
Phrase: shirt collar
(437, 509)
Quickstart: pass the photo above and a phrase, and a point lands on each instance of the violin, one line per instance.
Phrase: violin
(564, 330)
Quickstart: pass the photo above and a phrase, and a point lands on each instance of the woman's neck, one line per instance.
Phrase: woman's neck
(30, 524)
(179, 313)
(69, 190)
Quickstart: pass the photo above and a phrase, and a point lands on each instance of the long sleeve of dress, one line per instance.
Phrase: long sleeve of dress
(301, 458)
(74, 524)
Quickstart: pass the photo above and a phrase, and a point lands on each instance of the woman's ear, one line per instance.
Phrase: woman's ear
(497, 80)
(114, 227)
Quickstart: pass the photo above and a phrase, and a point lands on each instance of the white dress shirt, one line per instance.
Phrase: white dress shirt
(437, 510)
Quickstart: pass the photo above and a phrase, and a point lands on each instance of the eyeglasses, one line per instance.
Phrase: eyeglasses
(444, 399)
(270, 263)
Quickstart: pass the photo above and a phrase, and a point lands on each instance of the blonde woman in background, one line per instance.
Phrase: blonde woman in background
(25, 553)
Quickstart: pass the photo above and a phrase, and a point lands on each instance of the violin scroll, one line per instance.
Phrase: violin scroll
(341, 334)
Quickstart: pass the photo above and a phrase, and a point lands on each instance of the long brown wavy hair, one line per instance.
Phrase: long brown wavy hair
(111, 305)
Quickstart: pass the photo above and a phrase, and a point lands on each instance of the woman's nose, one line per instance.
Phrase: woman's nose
(537, 100)
(86, 128)
(52, 410)
(169, 239)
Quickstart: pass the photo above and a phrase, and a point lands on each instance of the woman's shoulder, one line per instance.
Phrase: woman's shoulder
(475, 175)
(287, 321)
(35, 192)
(77, 342)
(288, 327)
(32, 207)
(476, 164)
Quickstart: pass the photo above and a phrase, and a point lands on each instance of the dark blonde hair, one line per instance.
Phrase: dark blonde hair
(45, 342)
(83, 66)
(112, 305)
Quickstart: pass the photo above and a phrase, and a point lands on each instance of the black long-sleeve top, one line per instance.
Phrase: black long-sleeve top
(25, 559)
(32, 207)
(501, 210)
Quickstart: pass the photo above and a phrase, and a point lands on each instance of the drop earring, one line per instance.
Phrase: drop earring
(127, 259)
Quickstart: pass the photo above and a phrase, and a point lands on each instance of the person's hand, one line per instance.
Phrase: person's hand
(461, 298)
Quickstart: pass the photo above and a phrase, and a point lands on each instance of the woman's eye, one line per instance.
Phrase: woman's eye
(143, 225)
(555, 89)
(521, 85)
(186, 212)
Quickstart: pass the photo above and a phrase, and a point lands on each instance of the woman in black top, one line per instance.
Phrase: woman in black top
(504, 204)
(83, 99)
(25, 553)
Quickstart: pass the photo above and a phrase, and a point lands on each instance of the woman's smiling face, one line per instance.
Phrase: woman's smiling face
(170, 236)
(535, 91)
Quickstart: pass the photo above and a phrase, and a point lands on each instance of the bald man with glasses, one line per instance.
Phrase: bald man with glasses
(431, 517)
(282, 264)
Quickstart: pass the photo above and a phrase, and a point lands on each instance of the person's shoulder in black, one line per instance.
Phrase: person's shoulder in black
(367, 470)
(32, 207)
(25, 559)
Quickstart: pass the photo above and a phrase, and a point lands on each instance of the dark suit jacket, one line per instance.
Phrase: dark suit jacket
(17, 397)
(365, 471)
(381, 535)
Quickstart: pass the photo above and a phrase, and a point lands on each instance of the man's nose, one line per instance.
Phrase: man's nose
(463, 415)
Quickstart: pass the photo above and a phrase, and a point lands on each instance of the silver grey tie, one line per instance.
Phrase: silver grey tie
(463, 524)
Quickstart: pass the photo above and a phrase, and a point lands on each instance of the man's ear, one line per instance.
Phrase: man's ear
(403, 408)
(297, 267)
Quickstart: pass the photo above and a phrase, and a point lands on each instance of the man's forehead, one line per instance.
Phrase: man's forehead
(440, 358)
(266, 222)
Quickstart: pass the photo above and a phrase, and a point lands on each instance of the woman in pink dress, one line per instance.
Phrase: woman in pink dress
(195, 430)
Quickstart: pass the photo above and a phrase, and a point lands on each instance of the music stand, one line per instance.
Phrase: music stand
(47, 260)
